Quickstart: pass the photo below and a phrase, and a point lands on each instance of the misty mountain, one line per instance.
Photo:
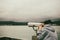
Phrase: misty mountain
(54, 21)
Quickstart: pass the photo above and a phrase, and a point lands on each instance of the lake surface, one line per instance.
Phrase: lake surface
(21, 32)
(57, 28)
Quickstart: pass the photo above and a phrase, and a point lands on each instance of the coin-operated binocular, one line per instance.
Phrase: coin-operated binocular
(34, 25)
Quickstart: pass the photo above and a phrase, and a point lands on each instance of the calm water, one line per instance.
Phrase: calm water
(57, 28)
(21, 32)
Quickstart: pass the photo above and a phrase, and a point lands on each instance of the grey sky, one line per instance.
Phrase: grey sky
(29, 10)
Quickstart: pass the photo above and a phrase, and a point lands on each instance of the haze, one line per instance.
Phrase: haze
(29, 10)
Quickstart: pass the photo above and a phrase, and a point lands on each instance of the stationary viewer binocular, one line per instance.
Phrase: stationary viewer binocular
(33, 24)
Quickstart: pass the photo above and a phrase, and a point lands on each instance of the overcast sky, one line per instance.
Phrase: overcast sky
(29, 10)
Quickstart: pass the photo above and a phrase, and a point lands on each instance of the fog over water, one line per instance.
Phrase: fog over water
(29, 10)
(26, 10)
